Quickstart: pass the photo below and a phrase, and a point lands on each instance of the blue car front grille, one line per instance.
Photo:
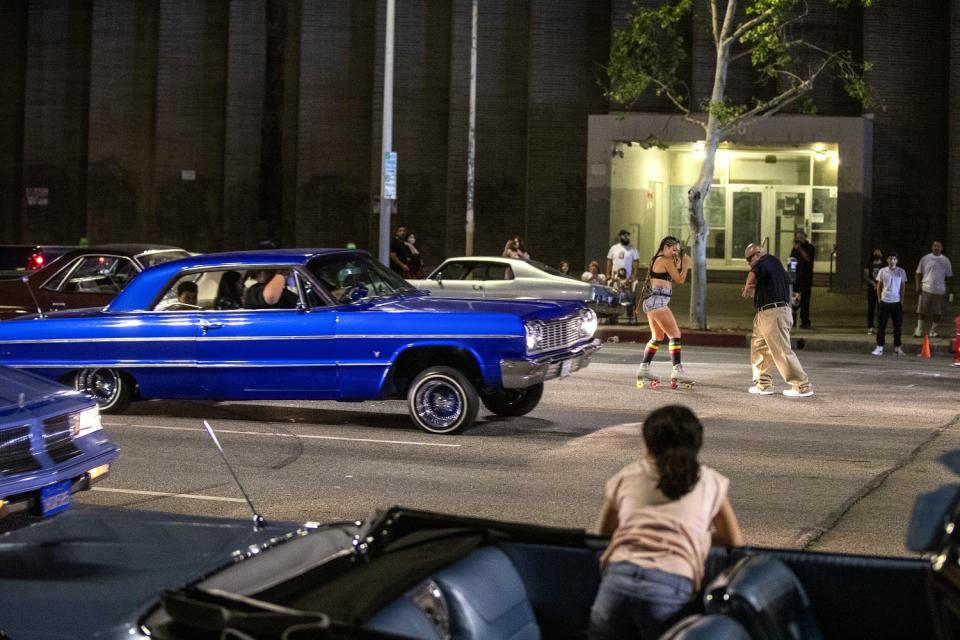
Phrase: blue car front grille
(15, 456)
(58, 439)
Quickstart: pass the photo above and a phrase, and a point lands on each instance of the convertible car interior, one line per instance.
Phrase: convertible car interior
(419, 575)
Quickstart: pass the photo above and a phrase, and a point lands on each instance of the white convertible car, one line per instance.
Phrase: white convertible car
(495, 277)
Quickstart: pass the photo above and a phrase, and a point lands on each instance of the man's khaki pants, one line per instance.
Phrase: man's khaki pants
(771, 346)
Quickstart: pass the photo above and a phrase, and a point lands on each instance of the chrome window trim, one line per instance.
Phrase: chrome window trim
(76, 263)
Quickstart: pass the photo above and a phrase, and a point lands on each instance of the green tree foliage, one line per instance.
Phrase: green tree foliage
(648, 53)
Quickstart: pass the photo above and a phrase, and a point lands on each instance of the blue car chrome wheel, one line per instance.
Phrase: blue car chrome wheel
(442, 400)
(108, 386)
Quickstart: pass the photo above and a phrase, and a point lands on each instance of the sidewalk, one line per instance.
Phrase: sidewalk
(839, 323)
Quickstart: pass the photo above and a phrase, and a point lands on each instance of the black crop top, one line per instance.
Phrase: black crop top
(660, 275)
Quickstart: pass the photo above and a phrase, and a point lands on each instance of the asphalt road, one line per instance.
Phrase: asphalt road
(837, 471)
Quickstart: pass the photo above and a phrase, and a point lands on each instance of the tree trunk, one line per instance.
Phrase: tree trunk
(698, 283)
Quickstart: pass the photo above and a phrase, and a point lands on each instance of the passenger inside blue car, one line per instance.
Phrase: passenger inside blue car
(270, 292)
(229, 291)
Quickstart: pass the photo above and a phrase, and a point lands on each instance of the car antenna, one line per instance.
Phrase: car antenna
(26, 281)
(258, 521)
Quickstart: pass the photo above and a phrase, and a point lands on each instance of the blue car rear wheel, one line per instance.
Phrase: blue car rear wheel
(442, 400)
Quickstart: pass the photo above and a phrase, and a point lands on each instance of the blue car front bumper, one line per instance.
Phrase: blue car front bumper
(519, 374)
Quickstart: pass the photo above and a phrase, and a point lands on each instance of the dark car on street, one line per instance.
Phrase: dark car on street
(80, 278)
(51, 444)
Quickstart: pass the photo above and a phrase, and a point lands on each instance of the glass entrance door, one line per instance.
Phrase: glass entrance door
(789, 214)
(746, 209)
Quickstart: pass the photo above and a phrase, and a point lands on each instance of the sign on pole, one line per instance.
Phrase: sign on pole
(390, 175)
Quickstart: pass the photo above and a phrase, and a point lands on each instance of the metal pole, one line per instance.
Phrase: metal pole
(387, 144)
(472, 131)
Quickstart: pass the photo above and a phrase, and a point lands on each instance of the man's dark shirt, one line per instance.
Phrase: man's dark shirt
(399, 247)
(253, 299)
(773, 284)
(804, 267)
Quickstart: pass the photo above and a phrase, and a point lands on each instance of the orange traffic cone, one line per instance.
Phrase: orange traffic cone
(925, 349)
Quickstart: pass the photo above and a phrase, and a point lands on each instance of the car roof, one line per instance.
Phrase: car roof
(143, 288)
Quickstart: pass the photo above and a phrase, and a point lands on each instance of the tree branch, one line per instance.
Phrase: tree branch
(716, 25)
(722, 40)
(777, 103)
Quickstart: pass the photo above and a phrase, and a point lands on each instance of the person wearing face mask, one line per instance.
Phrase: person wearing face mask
(624, 256)
(891, 284)
(414, 260)
(870, 271)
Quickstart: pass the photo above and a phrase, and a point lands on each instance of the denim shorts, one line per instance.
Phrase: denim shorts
(636, 602)
(659, 298)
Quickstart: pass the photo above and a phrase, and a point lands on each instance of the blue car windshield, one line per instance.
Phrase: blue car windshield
(350, 278)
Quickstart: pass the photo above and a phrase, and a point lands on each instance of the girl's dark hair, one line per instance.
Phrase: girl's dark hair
(673, 436)
(668, 241)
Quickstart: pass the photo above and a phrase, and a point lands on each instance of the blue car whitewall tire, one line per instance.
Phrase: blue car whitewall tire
(442, 400)
(108, 386)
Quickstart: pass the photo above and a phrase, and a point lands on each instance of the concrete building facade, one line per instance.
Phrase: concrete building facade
(214, 124)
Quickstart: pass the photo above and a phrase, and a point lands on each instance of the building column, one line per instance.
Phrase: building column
(952, 238)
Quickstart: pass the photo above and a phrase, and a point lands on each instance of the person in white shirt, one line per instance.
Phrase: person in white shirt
(624, 256)
(932, 274)
(891, 284)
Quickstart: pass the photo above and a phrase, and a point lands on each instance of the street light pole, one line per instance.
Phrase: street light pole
(386, 198)
(472, 131)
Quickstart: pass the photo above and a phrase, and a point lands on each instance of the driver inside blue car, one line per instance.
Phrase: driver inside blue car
(269, 292)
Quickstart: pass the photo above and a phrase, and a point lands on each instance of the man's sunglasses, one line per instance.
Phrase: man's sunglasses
(750, 257)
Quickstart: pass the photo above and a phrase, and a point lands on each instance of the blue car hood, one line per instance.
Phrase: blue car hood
(523, 308)
(34, 391)
(91, 572)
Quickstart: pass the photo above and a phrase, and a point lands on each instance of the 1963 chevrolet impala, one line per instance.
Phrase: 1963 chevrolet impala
(341, 327)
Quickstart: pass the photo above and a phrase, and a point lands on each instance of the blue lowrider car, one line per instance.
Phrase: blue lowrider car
(341, 327)
(51, 444)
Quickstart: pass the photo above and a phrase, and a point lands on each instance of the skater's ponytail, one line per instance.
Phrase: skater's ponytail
(673, 436)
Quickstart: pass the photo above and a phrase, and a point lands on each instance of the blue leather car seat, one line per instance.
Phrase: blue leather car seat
(486, 598)
(402, 617)
(713, 627)
(766, 597)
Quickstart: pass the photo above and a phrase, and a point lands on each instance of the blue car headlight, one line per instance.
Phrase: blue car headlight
(588, 323)
(85, 422)
(534, 332)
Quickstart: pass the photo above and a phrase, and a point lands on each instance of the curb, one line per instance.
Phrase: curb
(801, 342)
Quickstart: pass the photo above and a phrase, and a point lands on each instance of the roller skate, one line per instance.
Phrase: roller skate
(678, 378)
(645, 378)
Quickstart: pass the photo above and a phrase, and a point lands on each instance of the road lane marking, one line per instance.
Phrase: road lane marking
(164, 494)
(284, 435)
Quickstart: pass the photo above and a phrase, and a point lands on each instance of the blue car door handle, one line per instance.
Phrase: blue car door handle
(207, 326)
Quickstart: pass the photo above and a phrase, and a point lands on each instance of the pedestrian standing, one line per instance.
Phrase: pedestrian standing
(932, 274)
(769, 286)
(870, 271)
(664, 511)
(516, 249)
(414, 260)
(624, 256)
(891, 285)
(398, 252)
(804, 253)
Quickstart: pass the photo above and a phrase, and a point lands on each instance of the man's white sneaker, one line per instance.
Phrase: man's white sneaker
(917, 334)
(760, 391)
(796, 393)
(878, 351)
(934, 334)
(899, 351)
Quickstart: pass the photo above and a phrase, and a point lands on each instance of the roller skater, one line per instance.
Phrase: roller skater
(646, 378)
(668, 266)
(678, 378)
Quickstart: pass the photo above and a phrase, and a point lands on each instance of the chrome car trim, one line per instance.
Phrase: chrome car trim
(519, 374)
(125, 364)
(239, 338)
